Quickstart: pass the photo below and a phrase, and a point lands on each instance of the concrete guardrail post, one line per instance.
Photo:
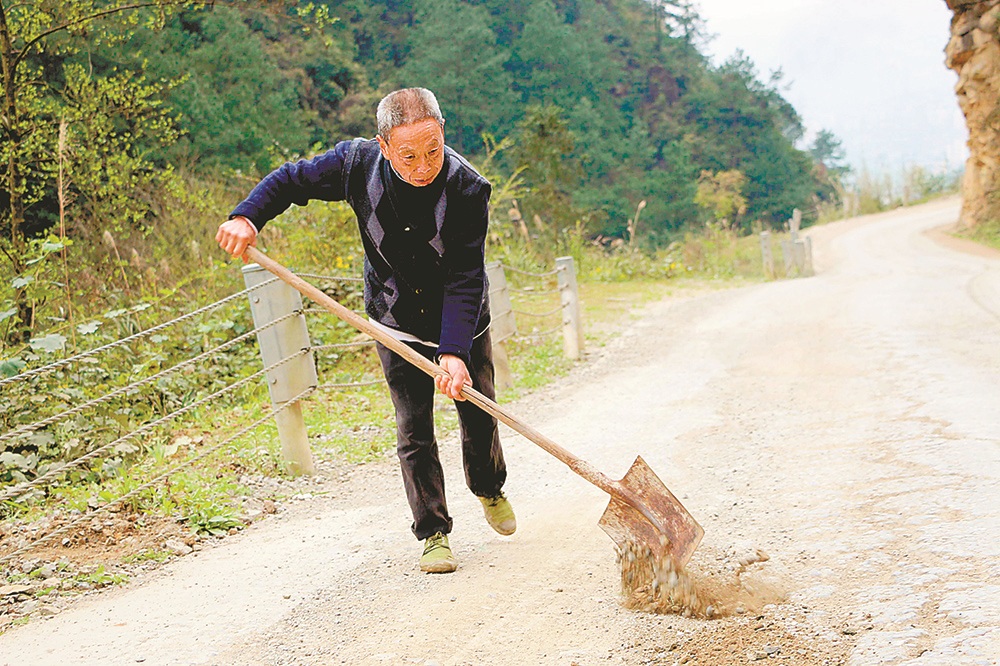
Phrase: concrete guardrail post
(788, 254)
(288, 380)
(801, 248)
(503, 325)
(767, 254)
(569, 295)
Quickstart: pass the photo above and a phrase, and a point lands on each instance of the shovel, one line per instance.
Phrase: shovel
(642, 512)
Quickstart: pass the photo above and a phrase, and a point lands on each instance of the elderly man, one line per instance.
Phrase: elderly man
(422, 214)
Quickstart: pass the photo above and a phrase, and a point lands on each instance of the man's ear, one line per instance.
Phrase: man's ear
(383, 146)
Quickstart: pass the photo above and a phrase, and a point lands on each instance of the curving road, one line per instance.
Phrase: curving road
(846, 424)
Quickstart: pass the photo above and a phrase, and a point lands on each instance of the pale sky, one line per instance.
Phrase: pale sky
(870, 71)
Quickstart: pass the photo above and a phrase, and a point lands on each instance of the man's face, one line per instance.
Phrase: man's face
(416, 151)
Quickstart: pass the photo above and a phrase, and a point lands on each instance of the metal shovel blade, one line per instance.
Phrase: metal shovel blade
(677, 531)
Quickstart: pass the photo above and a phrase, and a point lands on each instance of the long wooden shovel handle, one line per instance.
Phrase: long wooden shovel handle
(581, 467)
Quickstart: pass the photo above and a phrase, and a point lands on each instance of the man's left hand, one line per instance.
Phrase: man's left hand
(457, 377)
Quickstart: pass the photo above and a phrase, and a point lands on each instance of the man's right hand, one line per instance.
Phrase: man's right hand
(236, 235)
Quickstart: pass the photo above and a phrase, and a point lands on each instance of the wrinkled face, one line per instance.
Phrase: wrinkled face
(416, 151)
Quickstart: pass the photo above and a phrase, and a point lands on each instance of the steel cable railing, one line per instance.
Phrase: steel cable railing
(538, 336)
(554, 271)
(344, 345)
(541, 314)
(136, 336)
(311, 310)
(343, 385)
(532, 292)
(57, 471)
(86, 517)
(31, 427)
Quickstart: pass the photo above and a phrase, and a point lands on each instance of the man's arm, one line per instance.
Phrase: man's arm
(292, 183)
(464, 284)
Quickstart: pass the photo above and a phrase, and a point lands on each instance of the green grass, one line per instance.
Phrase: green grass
(354, 424)
(100, 577)
(987, 233)
(149, 555)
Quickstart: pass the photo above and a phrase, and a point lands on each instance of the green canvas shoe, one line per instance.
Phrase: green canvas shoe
(499, 514)
(437, 557)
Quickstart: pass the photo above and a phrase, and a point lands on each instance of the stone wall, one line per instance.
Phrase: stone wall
(974, 53)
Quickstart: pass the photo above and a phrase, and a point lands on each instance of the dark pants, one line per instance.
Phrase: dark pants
(412, 394)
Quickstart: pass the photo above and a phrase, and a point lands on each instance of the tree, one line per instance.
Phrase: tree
(828, 151)
(454, 53)
(721, 194)
(57, 69)
(544, 148)
(831, 170)
(554, 64)
(34, 37)
(676, 16)
(742, 123)
(235, 104)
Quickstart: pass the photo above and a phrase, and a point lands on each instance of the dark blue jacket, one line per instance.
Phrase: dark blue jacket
(424, 264)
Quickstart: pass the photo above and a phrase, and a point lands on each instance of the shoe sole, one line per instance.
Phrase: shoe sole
(446, 566)
(499, 529)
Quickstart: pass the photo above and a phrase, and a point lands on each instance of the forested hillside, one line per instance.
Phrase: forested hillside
(122, 125)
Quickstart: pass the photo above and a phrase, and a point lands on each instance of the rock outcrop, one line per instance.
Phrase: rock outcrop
(974, 53)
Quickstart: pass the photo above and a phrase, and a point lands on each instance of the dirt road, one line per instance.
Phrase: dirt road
(846, 424)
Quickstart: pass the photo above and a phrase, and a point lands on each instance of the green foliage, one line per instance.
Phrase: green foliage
(212, 519)
(101, 577)
(72, 133)
(645, 111)
(745, 124)
(236, 104)
(242, 85)
(355, 425)
(507, 187)
(11, 367)
(720, 253)
(828, 151)
(721, 194)
(545, 147)
(453, 52)
(553, 65)
(987, 233)
(54, 393)
(920, 184)
(112, 121)
(38, 282)
(151, 555)
(536, 363)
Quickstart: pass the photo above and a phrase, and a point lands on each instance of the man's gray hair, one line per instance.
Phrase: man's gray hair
(406, 106)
